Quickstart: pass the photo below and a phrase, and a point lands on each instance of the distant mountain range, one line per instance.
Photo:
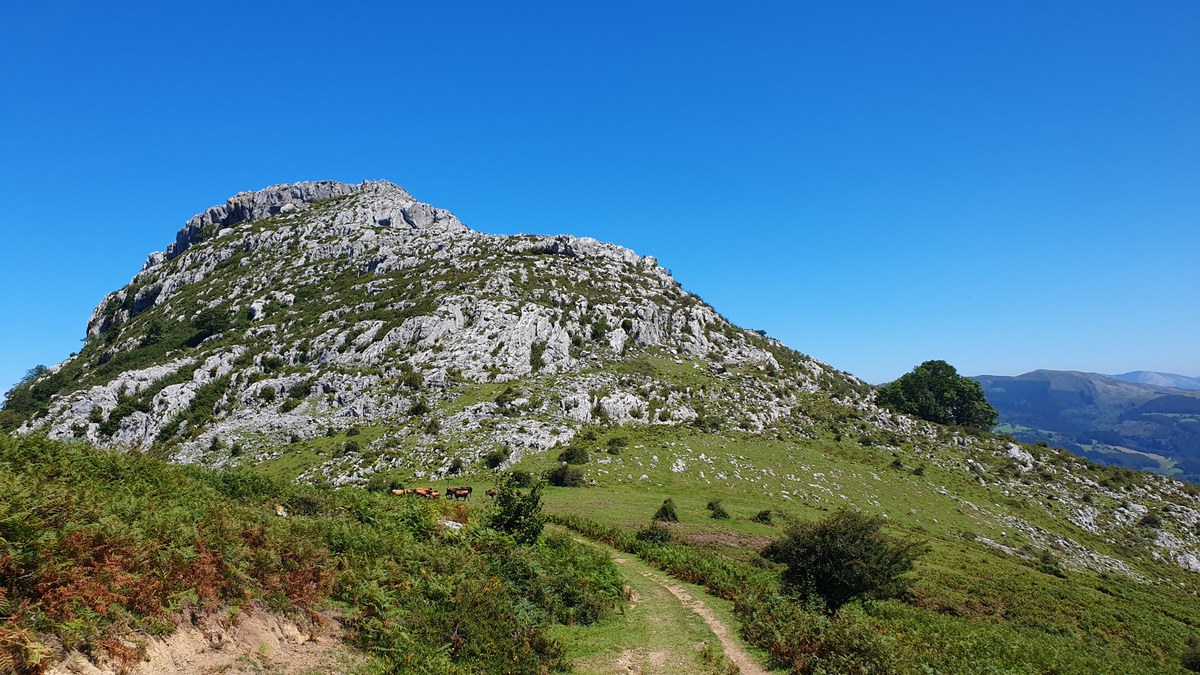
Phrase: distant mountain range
(1130, 419)
(1160, 379)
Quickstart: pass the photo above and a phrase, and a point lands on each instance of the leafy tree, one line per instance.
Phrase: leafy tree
(519, 513)
(935, 392)
(843, 558)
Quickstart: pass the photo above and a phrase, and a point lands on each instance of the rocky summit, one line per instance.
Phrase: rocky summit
(301, 314)
(297, 309)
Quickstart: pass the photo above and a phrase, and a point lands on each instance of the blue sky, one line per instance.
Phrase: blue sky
(1003, 185)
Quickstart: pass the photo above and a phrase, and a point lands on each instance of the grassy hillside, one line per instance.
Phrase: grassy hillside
(99, 550)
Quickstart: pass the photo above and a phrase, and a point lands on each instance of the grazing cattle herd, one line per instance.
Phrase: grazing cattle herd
(457, 493)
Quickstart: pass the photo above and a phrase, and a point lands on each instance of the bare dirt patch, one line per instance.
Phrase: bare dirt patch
(254, 641)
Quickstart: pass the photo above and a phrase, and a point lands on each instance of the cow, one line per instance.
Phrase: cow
(492, 493)
(426, 493)
(459, 492)
(403, 492)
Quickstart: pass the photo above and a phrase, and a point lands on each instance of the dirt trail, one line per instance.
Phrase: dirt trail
(733, 651)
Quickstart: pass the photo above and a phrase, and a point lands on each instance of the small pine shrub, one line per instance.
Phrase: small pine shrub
(718, 511)
(763, 517)
(666, 512)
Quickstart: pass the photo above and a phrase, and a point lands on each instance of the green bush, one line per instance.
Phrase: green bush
(763, 517)
(566, 476)
(521, 478)
(667, 512)
(843, 558)
(1191, 655)
(718, 511)
(518, 513)
(654, 533)
(496, 457)
(574, 454)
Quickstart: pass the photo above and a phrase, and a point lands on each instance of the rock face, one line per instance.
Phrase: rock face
(339, 305)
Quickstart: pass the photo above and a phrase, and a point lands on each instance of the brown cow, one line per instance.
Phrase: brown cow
(493, 492)
(459, 492)
(427, 493)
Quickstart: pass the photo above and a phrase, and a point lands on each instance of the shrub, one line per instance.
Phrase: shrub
(267, 394)
(521, 479)
(763, 516)
(209, 322)
(519, 513)
(574, 455)
(718, 511)
(456, 466)
(1191, 655)
(536, 358)
(843, 558)
(351, 446)
(666, 512)
(1151, 520)
(565, 476)
(378, 483)
(496, 457)
(654, 533)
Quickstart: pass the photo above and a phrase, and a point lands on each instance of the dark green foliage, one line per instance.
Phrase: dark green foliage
(599, 329)
(267, 394)
(351, 446)
(520, 478)
(763, 517)
(654, 533)
(718, 511)
(1191, 655)
(210, 322)
(1151, 520)
(616, 443)
(504, 401)
(301, 389)
(666, 512)
(378, 483)
(574, 454)
(419, 407)
(519, 513)
(566, 476)
(496, 457)
(843, 558)
(353, 431)
(536, 358)
(627, 326)
(456, 466)
(935, 392)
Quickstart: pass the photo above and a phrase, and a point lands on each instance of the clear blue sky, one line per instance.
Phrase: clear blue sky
(1003, 185)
